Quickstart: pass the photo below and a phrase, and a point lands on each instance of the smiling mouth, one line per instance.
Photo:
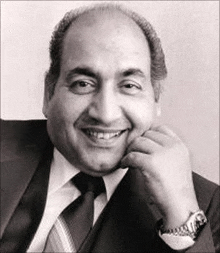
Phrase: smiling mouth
(101, 135)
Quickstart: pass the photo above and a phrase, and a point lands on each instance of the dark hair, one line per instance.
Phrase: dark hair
(158, 67)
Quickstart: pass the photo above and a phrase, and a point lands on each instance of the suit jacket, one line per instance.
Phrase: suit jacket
(128, 221)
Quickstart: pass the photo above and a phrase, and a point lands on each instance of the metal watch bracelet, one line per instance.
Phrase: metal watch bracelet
(191, 227)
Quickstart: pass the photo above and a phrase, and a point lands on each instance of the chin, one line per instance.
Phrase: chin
(99, 163)
(101, 168)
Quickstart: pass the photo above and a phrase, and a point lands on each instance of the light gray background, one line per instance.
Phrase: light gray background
(189, 31)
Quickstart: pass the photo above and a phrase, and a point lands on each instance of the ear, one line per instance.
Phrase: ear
(46, 100)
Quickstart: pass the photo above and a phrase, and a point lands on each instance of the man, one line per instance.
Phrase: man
(101, 102)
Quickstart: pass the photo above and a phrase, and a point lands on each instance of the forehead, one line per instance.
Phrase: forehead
(105, 33)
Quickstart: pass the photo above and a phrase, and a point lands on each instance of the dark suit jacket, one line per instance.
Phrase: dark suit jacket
(128, 221)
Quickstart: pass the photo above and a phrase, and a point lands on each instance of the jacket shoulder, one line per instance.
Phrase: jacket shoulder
(205, 190)
(19, 135)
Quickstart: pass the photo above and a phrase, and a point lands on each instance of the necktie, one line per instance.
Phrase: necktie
(75, 222)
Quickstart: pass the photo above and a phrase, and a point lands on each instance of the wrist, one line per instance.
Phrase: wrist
(191, 227)
(179, 215)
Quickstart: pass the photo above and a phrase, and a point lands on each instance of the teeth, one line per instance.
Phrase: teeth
(102, 135)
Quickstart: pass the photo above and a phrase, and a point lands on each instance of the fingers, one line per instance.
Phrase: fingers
(152, 140)
(165, 130)
(134, 160)
(155, 140)
(143, 145)
(157, 137)
(161, 135)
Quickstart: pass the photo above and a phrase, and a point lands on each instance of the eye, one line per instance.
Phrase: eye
(130, 88)
(82, 87)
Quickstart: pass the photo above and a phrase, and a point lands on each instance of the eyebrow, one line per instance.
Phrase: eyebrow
(87, 71)
(133, 72)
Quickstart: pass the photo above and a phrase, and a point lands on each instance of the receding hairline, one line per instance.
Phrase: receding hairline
(101, 7)
(109, 14)
(87, 14)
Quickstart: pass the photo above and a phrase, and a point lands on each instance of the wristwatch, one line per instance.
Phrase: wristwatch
(191, 227)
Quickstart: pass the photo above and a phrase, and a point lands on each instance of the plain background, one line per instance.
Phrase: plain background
(189, 31)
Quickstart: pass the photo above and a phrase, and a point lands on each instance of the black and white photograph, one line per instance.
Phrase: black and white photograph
(110, 127)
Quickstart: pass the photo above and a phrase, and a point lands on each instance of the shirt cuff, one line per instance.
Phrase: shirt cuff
(177, 242)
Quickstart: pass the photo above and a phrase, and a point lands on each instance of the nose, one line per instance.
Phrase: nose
(105, 107)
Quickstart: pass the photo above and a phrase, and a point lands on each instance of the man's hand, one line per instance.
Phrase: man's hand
(164, 161)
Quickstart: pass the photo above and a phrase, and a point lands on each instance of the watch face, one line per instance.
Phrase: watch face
(201, 219)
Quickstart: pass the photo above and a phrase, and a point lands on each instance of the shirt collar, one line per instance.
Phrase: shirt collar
(62, 171)
(112, 180)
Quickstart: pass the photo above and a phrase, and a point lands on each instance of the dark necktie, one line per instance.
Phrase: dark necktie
(76, 221)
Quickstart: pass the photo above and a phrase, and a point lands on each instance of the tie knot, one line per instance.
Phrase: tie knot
(86, 183)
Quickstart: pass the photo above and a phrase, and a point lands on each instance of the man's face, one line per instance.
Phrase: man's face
(103, 98)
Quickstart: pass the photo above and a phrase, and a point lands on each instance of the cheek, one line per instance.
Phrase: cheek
(67, 108)
(142, 113)
(62, 115)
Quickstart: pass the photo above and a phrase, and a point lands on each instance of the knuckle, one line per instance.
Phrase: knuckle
(178, 144)
(163, 126)
(131, 157)
(136, 142)
(182, 146)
